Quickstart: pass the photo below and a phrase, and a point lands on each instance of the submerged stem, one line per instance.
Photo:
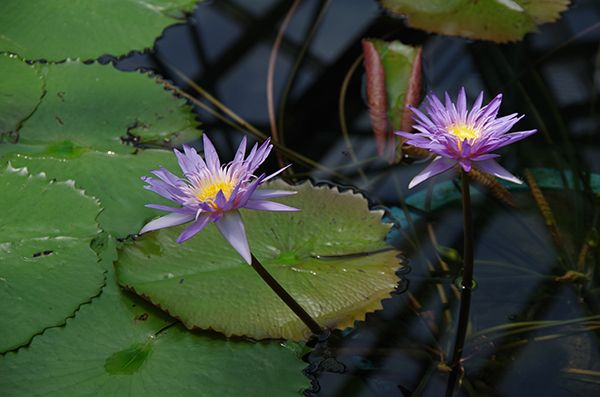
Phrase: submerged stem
(465, 288)
(286, 298)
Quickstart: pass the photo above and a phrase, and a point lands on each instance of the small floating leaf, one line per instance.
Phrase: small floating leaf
(129, 360)
(496, 20)
(59, 29)
(120, 346)
(47, 268)
(330, 256)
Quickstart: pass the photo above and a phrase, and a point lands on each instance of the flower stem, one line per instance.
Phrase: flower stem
(465, 287)
(286, 298)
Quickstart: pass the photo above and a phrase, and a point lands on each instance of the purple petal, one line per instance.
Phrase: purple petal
(423, 129)
(162, 188)
(252, 152)
(212, 158)
(451, 108)
(490, 110)
(435, 104)
(268, 193)
(437, 166)
(514, 137)
(264, 205)
(195, 227)
(239, 155)
(465, 149)
(188, 162)
(404, 134)
(172, 219)
(420, 140)
(182, 160)
(248, 191)
(182, 210)
(494, 143)
(220, 200)
(438, 113)
(421, 118)
(501, 125)
(442, 150)
(465, 164)
(233, 200)
(475, 109)
(492, 167)
(277, 173)
(485, 156)
(194, 158)
(206, 207)
(449, 103)
(461, 104)
(167, 176)
(232, 228)
(256, 158)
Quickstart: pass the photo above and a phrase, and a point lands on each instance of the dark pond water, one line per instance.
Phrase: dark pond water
(535, 318)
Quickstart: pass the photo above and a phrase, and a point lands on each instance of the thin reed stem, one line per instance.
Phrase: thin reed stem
(465, 287)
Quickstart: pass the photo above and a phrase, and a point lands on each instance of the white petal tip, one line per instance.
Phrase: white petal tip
(413, 183)
(517, 181)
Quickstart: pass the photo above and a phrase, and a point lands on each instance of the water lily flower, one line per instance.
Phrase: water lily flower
(461, 136)
(211, 192)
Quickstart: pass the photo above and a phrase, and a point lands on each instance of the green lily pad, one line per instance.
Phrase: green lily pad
(47, 268)
(120, 346)
(97, 106)
(112, 178)
(331, 257)
(60, 29)
(21, 89)
(497, 20)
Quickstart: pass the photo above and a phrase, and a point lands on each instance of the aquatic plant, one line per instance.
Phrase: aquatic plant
(213, 193)
(457, 135)
(90, 101)
(463, 137)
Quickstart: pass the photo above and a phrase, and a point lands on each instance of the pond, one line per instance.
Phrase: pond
(534, 318)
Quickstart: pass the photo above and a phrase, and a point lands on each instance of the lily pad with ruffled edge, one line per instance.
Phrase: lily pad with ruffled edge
(96, 106)
(497, 20)
(118, 345)
(47, 268)
(111, 177)
(330, 256)
(60, 29)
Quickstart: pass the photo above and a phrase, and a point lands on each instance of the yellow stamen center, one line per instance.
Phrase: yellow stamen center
(208, 192)
(463, 131)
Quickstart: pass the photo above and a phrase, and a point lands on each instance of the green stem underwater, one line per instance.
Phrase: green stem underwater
(286, 298)
(465, 287)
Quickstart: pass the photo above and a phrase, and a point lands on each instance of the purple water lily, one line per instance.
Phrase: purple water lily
(211, 192)
(461, 136)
